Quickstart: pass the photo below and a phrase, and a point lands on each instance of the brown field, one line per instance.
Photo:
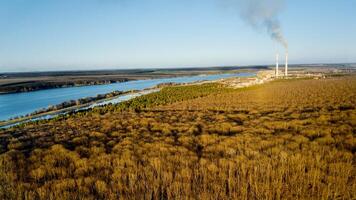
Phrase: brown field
(288, 139)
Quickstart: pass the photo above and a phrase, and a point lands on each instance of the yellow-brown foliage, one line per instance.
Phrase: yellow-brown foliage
(283, 140)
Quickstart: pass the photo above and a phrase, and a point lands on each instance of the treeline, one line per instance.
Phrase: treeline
(81, 101)
(29, 86)
(72, 103)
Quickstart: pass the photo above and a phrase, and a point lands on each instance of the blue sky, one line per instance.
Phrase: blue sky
(37, 35)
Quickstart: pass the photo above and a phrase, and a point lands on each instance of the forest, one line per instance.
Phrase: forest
(287, 139)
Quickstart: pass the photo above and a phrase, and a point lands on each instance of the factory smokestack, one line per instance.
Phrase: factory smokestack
(277, 64)
(286, 66)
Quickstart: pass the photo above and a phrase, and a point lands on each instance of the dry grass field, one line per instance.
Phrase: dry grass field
(288, 139)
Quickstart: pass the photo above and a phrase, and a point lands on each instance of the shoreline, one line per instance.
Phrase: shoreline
(32, 84)
(69, 109)
(64, 86)
(261, 77)
(12, 122)
(6, 123)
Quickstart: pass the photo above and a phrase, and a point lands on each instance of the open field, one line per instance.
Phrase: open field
(287, 139)
(31, 81)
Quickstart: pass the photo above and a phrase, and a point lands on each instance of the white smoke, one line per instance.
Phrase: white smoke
(263, 13)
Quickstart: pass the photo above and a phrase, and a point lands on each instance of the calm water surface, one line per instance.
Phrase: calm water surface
(12, 105)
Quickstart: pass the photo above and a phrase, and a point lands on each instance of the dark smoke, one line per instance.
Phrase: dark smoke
(263, 13)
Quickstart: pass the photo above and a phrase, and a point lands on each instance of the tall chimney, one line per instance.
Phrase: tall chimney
(277, 60)
(286, 67)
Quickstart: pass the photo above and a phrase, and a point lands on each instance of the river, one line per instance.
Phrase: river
(18, 104)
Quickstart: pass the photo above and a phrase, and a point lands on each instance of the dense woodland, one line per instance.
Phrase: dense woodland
(288, 139)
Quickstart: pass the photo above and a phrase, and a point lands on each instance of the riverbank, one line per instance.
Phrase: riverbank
(35, 81)
(261, 77)
(21, 104)
(115, 99)
(51, 114)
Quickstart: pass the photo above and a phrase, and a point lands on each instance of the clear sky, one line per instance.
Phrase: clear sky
(37, 35)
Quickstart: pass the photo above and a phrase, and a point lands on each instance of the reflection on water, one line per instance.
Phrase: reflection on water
(12, 105)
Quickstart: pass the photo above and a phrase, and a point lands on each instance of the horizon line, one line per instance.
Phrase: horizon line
(170, 68)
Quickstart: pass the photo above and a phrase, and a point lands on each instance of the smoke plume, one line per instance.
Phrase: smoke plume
(263, 13)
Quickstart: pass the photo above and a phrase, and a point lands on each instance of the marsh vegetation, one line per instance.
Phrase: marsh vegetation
(282, 140)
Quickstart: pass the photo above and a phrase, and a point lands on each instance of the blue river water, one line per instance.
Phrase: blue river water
(18, 104)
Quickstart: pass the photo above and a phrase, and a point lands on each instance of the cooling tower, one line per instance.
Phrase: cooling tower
(286, 67)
